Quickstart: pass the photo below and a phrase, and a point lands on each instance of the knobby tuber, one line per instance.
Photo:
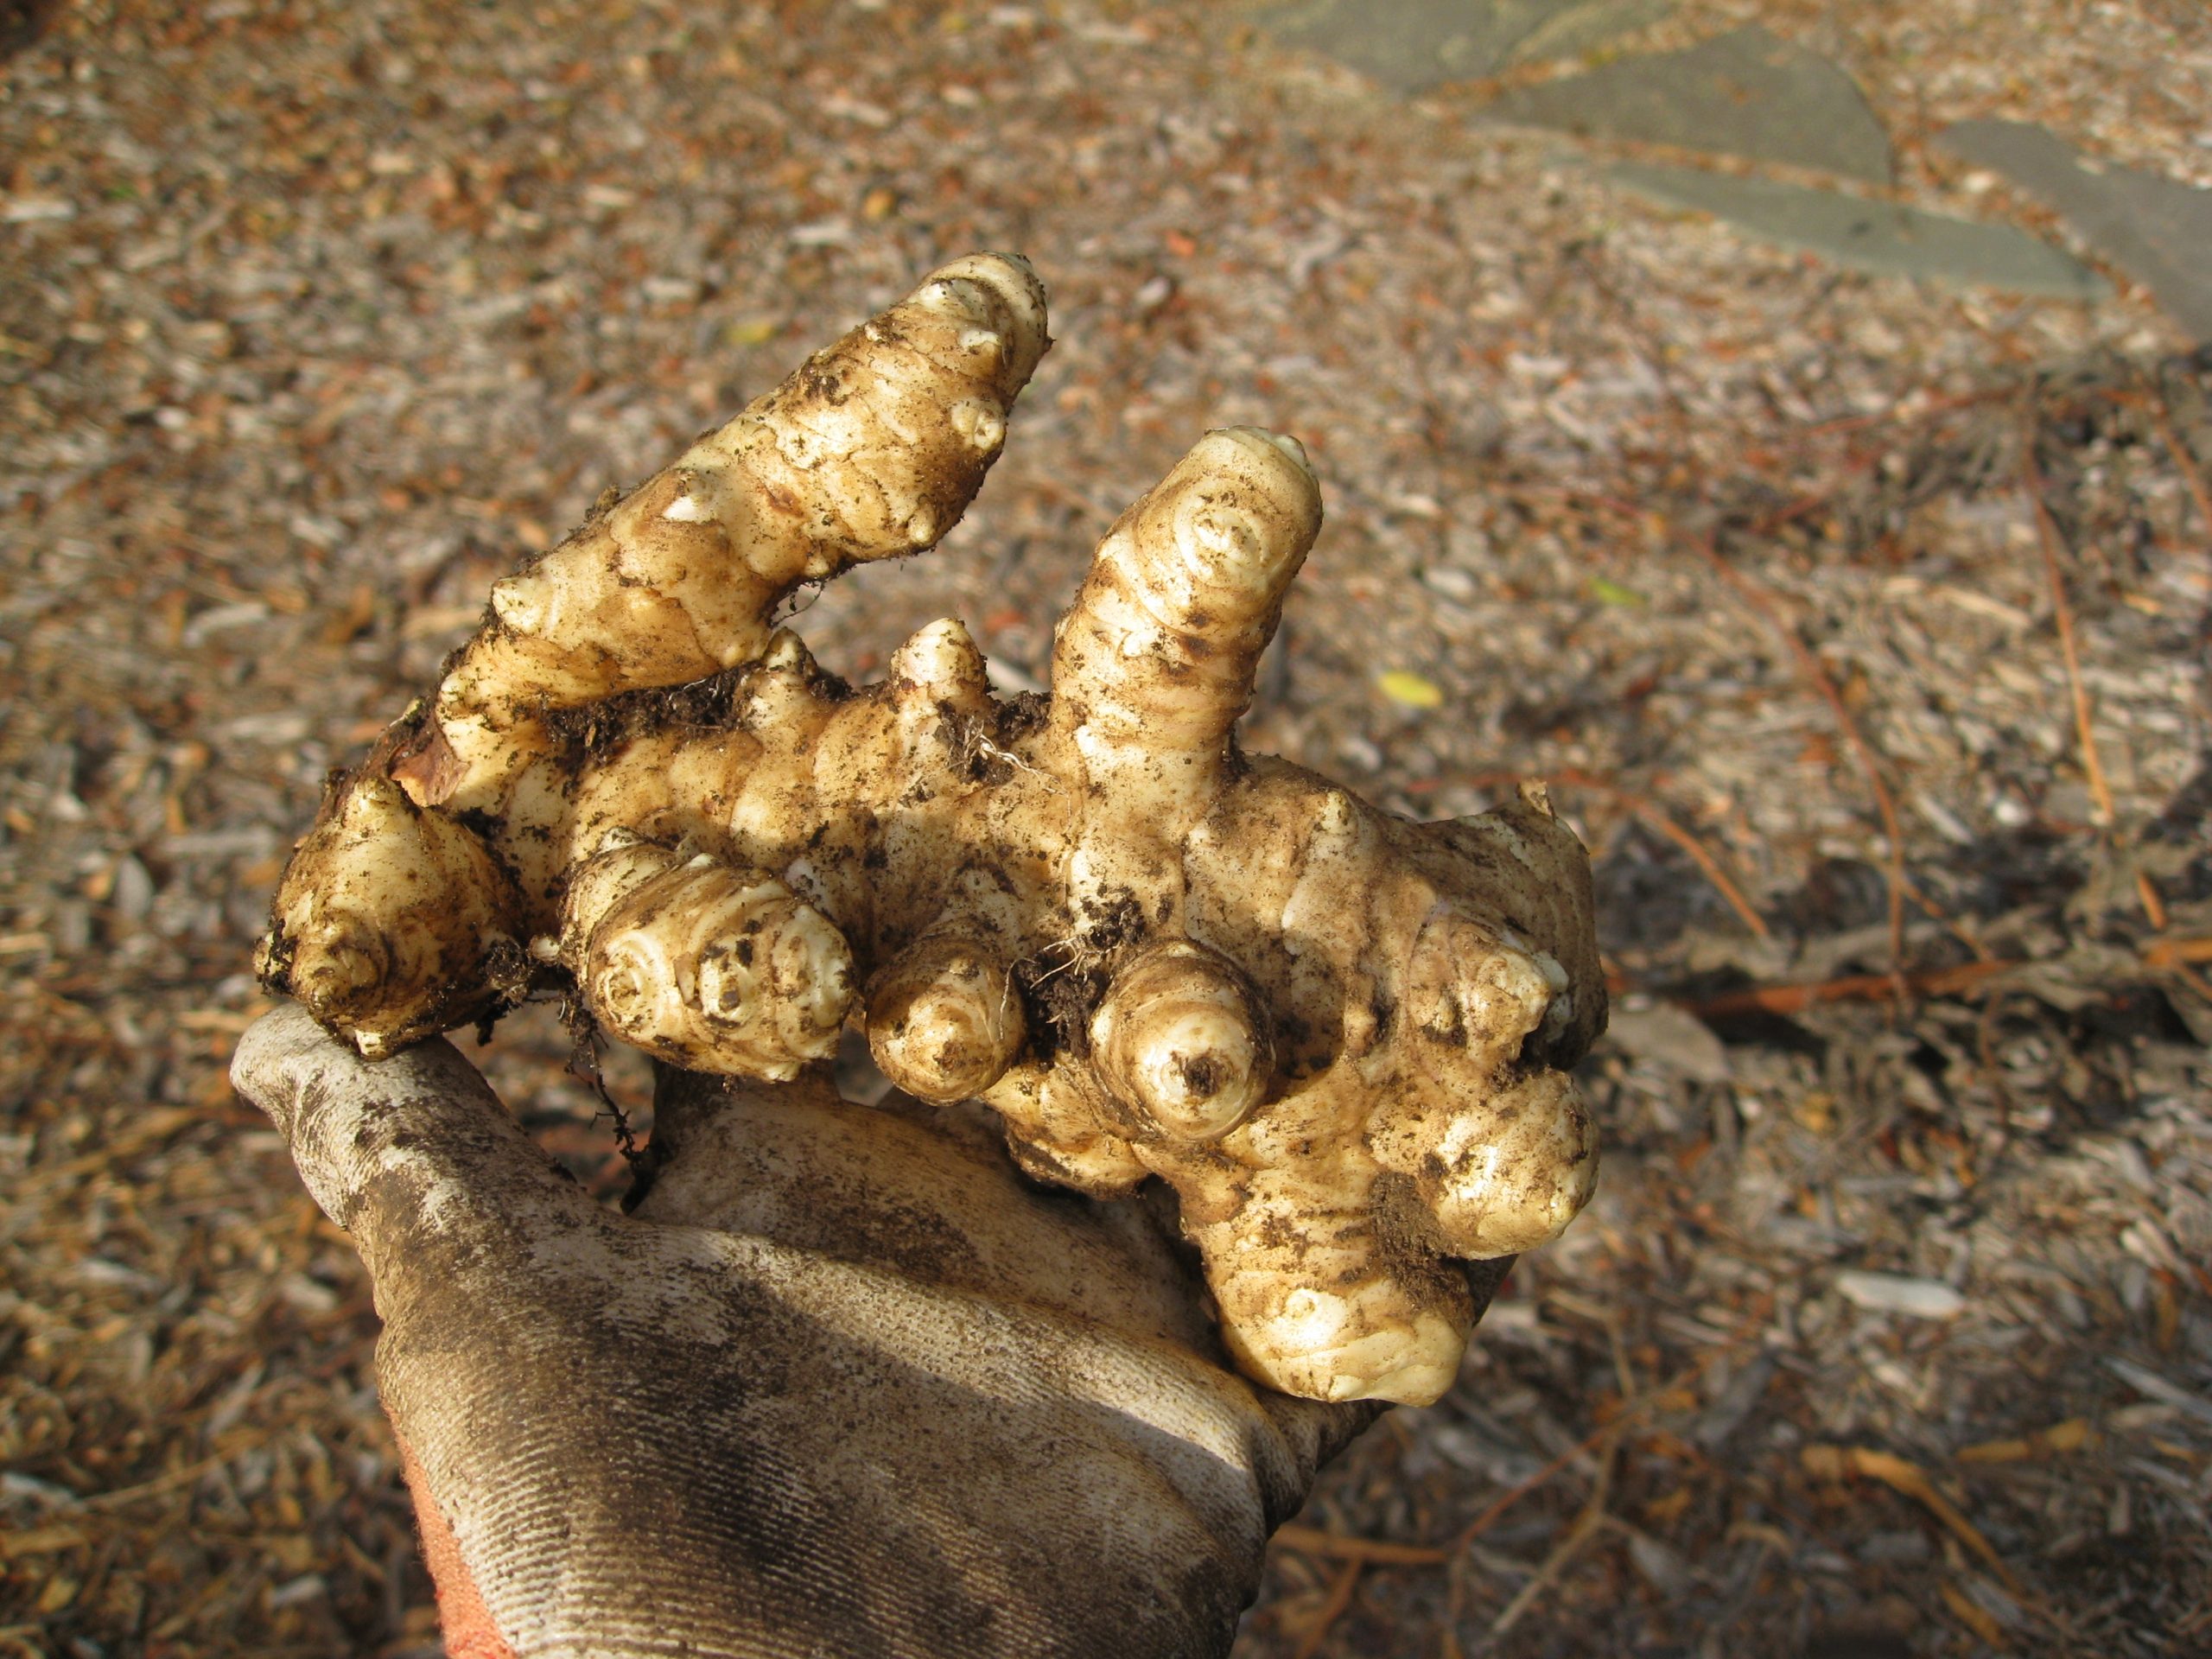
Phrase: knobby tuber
(1343, 1037)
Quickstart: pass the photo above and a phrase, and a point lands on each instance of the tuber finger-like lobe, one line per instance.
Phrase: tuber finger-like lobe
(877, 445)
(1308, 1307)
(944, 1021)
(1364, 1341)
(939, 670)
(1508, 1174)
(1179, 1039)
(1154, 662)
(872, 449)
(389, 925)
(1156, 654)
(1534, 877)
(705, 965)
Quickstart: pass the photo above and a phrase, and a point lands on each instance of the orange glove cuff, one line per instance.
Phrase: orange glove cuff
(469, 1631)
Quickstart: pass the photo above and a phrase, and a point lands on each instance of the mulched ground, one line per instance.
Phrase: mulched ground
(1890, 1331)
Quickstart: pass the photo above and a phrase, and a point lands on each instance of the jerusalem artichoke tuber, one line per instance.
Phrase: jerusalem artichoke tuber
(1342, 1038)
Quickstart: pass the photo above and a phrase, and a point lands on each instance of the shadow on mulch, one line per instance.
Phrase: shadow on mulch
(22, 22)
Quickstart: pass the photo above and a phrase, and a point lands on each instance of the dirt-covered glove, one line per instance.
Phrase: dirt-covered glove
(844, 1383)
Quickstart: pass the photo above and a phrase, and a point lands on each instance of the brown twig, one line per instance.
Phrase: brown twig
(1372, 1551)
(1855, 988)
(1833, 1463)
(1761, 604)
(1342, 1588)
(1635, 1407)
(2101, 808)
(2157, 956)
(1586, 1526)
(2192, 474)
(1653, 815)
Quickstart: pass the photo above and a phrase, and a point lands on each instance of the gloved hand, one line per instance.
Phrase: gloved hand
(844, 1383)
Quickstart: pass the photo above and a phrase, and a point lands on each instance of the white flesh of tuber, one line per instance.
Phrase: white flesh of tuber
(1343, 1037)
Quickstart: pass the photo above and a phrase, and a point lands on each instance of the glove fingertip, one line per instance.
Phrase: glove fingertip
(275, 1061)
(413, 1147)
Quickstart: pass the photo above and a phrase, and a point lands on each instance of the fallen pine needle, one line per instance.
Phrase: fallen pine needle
(1490, 1518)
(2072, 1435)
(1759, 1533)
(1606, 1434)
(1898, 415)
(1374, 1552)
(159, 1483)
(1342, 1588)
(155, 1126)
(1834, 1463)
(1633, 1409)
(1854, 988)
(1656, 817)
(1974, 1616)
(1761, 604)
(1357, 1553)
(2157, 956)
(2174, 956)
(1586, 1526)
(2165, 954)
(1652, 815)
(1808, 664)
(2192, 474)
(2154, 908)
(2047, 537)
(40, 1541)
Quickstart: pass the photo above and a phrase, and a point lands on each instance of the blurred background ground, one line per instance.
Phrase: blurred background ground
(1859, 620)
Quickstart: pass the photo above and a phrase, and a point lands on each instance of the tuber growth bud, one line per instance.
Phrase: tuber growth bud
(944, 1020)
(1178, 1038)
(702, 965)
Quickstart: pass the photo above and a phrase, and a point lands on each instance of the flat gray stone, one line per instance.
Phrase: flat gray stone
(1878, 236)
(1742, 93)
(1578, 27)
(2157, 231)
(1409, 45)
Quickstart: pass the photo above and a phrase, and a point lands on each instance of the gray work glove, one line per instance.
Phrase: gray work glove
(845, 1382)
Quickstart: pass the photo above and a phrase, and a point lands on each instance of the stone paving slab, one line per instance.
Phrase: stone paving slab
(1742, 93)
(2157, 231)
(1410, 45)
(1874, 236)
